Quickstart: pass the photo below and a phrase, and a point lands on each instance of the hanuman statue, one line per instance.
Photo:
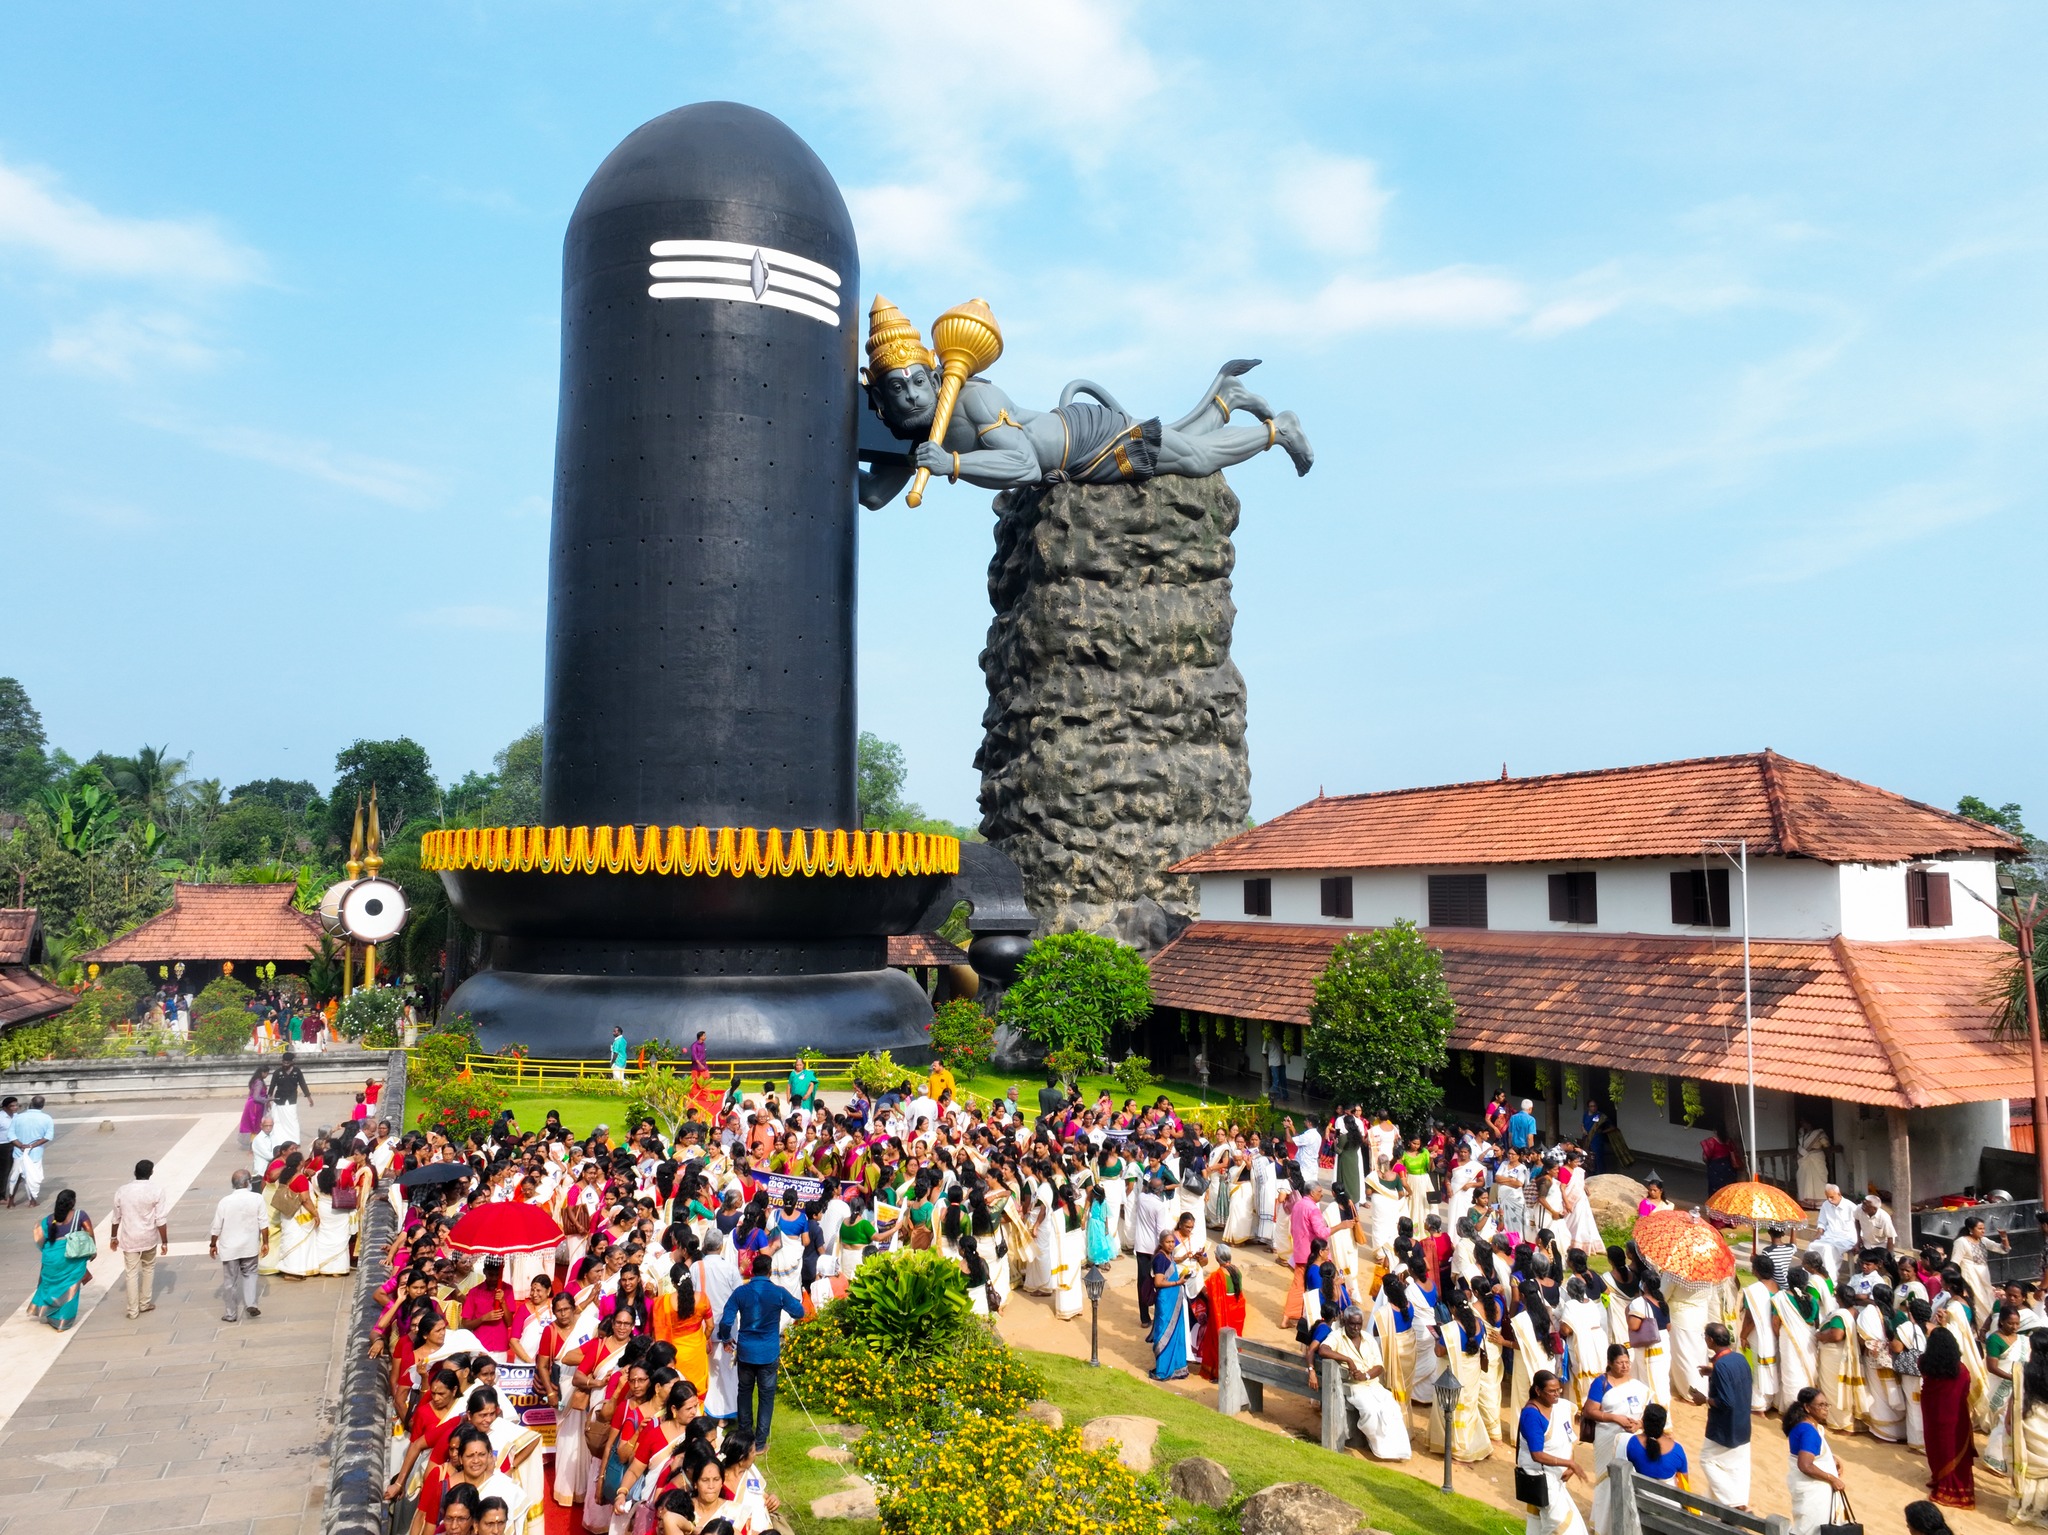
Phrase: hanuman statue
(987, 439)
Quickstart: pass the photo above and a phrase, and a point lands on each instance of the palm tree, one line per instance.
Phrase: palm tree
(151, 779)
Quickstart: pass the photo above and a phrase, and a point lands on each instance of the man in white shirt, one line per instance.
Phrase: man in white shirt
(1308, 1154)
(1148, 1218)
(139, 1229)
(1837, 1239)
(240, 1236)
(1874, 1226)
(263, 1146)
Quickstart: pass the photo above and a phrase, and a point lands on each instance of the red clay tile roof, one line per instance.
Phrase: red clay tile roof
(1664, 810)
(18, 936)
(239, 922)
(1898, 1024)
(26, 996)
(907, 949)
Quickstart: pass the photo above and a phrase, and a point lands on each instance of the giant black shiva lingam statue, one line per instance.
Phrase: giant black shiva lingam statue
(702, 866)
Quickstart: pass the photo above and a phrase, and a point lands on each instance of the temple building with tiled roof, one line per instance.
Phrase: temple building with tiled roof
(1592, 925)
(25, 997)
(212, 926)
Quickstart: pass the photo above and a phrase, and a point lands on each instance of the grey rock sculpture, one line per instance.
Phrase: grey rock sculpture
(1113, 742)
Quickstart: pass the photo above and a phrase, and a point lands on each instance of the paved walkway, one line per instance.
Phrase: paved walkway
(176, 1420)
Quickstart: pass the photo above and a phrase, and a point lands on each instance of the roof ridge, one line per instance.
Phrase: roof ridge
(1529, 778)
(1774, 801)
(1892, 794)
(1897, 1056)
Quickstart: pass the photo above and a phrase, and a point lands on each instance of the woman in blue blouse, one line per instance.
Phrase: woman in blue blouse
(1170, 1314)
(1655, 1453)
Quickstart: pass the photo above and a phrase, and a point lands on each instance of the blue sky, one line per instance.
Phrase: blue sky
(1678, 375)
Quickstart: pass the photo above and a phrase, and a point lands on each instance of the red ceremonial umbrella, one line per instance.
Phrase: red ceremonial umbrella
(506, 1228)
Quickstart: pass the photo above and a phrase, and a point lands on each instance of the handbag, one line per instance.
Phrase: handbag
(1848, 1524)
(79, 1243)
(1533, 1489)
(345, 1195)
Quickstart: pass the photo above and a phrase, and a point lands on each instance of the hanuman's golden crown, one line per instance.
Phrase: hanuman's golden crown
(893, 342)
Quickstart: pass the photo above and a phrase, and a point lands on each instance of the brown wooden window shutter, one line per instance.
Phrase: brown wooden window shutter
(1686, 887)
(1337, 896)
(1560, 898)
(1916, 898)
(1258, 898)
(1939, 912)
(1699, 898)
(1457, 900)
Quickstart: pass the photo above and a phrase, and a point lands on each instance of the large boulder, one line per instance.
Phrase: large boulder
(1113, 744)
(1199, 1479)
(856, 1502)
(1297, 1508)
(1043, 1412)
(1133, 1437)
(1614, 1197)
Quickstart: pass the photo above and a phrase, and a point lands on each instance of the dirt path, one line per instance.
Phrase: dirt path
(1882, 1478)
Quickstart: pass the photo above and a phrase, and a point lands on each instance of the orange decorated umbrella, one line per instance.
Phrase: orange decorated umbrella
(1680, 1244)
(1757, 1203)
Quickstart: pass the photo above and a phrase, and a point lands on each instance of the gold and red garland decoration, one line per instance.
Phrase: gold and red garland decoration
(690, 850)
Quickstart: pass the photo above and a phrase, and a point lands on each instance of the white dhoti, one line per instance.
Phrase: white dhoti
(284, 1121)
(1380, 1419)
(1727, 1472)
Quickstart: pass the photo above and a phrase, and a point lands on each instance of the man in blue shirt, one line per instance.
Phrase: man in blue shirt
(33, 1130)
(1724, 1456)
(758, 1306)
(1522, 1127)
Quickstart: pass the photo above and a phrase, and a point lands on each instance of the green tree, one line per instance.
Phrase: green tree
(24, 769)
(253, 831)
(404, 781)
(879, 773)
(1380, 1021)
(1074, 989)
(515, 800)
(290, 795)
(149, 781)
(462, 802)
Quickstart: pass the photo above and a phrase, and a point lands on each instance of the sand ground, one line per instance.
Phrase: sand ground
(1882, 1478)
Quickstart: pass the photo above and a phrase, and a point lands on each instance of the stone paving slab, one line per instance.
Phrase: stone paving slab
(175, 1421)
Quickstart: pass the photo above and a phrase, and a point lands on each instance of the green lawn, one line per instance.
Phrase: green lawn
(583, 1112)
(1390, 1500)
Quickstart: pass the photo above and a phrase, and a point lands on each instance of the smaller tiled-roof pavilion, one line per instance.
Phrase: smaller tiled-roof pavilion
(25, 997)
(211, 926)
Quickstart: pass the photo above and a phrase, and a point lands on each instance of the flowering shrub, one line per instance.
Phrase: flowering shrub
(460, 1104)
(874, 1073)
(963, 1037)
(864, 1380)
(989, 1475)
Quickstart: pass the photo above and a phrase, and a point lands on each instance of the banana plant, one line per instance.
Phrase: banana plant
(86, 818)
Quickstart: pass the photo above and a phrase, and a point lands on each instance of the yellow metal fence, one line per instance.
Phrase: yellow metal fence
(533, 1072)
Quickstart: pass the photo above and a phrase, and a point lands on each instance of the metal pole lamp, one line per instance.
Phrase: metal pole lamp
(1448, 1386)
(1094, 1281)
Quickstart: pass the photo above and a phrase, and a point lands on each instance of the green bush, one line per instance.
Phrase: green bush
(1074, 989)
(460, 1104)
(127, 981)
(860, 1380)
(1133, 1076)
(85, 1030)
(1071, 1065)
(908, 1302)
(224, 1033)
(975, 1475)
(31, 1042)
(374, 1010)
(963, 1037)
(436, 1059)
(874, 1073)
(222, 994)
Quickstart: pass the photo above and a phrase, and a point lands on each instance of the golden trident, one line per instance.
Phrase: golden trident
(967, 340)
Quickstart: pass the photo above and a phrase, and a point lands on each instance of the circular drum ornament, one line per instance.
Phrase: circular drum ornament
(372, 910)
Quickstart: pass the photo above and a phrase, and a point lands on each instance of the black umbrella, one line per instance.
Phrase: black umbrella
(437, 1172)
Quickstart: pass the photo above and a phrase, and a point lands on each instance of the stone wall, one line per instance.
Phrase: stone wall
(1113, 744)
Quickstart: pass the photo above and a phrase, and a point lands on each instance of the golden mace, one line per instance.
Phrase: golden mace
(967, 340)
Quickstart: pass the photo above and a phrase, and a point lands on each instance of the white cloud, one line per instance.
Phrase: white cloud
(116, 343)
(1900, 516)
(380, 479)
(1332, 203)
(78, 237)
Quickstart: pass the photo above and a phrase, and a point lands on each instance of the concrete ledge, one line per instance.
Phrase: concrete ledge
(137, 1079)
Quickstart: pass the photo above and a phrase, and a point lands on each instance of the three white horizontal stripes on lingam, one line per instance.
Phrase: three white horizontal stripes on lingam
(753, 274)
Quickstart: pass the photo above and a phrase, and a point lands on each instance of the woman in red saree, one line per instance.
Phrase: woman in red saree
(1224, 1294)
(1945, 1416)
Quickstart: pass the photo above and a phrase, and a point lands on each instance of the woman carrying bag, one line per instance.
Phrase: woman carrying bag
(68, 1248)
(1811, 1476)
